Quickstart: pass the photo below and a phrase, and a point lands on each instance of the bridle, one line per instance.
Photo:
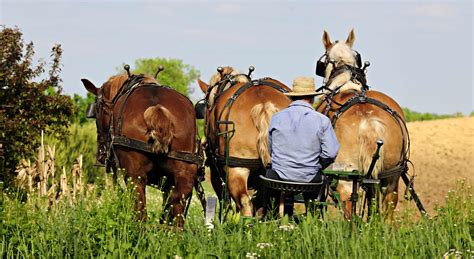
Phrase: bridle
(358, 72)
(100, 108)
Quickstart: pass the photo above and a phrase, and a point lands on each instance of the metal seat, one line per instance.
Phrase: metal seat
(293, 187)
(292, 192)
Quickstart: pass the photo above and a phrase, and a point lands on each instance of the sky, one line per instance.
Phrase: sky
(421, 52)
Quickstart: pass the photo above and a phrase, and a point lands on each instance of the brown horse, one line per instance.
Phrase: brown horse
(361, 117)
(236, 102)
(150, 131)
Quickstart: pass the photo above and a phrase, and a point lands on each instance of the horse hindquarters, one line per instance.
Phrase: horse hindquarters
(160, 127)
(370, 130)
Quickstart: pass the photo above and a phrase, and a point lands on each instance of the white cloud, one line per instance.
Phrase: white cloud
(441, 11)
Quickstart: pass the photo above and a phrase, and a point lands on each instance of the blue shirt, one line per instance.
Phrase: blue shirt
(298, 137)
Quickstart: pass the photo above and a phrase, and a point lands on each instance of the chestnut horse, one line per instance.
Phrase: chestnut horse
(150, 131)
(237, 116)
(361, 117)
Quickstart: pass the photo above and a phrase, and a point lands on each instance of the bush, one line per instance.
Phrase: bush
(27, 107)
(418, 116)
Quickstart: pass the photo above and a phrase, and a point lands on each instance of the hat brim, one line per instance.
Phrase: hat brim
(301, 93)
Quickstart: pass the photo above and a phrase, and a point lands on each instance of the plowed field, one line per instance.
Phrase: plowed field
(442, 152)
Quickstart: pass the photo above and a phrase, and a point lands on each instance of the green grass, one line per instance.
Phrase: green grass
(419, 116)
(102, 224)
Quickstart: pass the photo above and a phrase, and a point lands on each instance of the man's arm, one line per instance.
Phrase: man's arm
(329, 145)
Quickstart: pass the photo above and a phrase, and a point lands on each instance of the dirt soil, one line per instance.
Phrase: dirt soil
(442, 152)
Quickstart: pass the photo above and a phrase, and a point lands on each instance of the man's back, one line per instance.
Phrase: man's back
(298, 138)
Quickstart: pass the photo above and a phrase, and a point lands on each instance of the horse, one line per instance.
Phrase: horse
(237, 115)
(150, 131)
(360, 117)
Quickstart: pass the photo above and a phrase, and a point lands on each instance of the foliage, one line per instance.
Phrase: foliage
(418, 116)
(80, 106)
(176, 74)
(27, 106)
(81, 140)
(103, 225)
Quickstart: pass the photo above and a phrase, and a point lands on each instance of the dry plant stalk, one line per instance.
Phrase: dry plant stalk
(43, 175)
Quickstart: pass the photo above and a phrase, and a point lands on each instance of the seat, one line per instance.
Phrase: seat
(292, 189)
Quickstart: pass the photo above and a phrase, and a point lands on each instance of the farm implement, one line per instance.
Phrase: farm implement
(292, 192)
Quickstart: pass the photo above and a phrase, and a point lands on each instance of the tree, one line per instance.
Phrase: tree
(27, 106)
(176, 74)
(80, 106)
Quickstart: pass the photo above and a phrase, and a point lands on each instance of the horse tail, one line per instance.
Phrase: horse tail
(370, 130)
(160, 128)
(261, 115)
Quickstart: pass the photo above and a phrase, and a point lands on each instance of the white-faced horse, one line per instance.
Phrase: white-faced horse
(361, 117)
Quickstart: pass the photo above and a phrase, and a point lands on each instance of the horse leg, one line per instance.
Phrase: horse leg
(391, 198)
(166, 206)
(184, 175)
(136, 167)
(344, 188)
(237, 183)
(216, 182)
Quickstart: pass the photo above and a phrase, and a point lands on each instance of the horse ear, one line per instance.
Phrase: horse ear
(326, 40)
(351, 38)
(202, 85)
(90, 86)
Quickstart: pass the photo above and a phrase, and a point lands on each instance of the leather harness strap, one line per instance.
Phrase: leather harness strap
(148, 148)
(240, 162)
(236, 161)
(126, 90)
(404, 156)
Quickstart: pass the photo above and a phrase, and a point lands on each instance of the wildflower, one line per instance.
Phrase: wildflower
(209, 226)
(452, 253)
(263, 245)
(251, 255)
(287, 227)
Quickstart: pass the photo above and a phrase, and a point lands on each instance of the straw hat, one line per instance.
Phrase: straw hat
(303, 86)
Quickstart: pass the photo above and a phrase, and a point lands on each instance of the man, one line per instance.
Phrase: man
(301, 140)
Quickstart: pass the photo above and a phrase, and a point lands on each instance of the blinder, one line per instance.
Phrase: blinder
(358, 59)
(91, 111)
(200, 108)
(321, 66)
(323, 61)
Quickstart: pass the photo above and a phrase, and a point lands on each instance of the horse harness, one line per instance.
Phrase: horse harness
(361, 98)
(212, 150)
(111, 140)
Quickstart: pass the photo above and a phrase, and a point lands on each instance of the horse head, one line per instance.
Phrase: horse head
(341, 63)
(104, 108)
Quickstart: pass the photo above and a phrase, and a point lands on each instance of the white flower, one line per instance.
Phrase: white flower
(452, 253)
(287, 227)
(263, 245)
(251, 255)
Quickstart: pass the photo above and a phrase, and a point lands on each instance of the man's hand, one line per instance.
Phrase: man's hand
(325, 162)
